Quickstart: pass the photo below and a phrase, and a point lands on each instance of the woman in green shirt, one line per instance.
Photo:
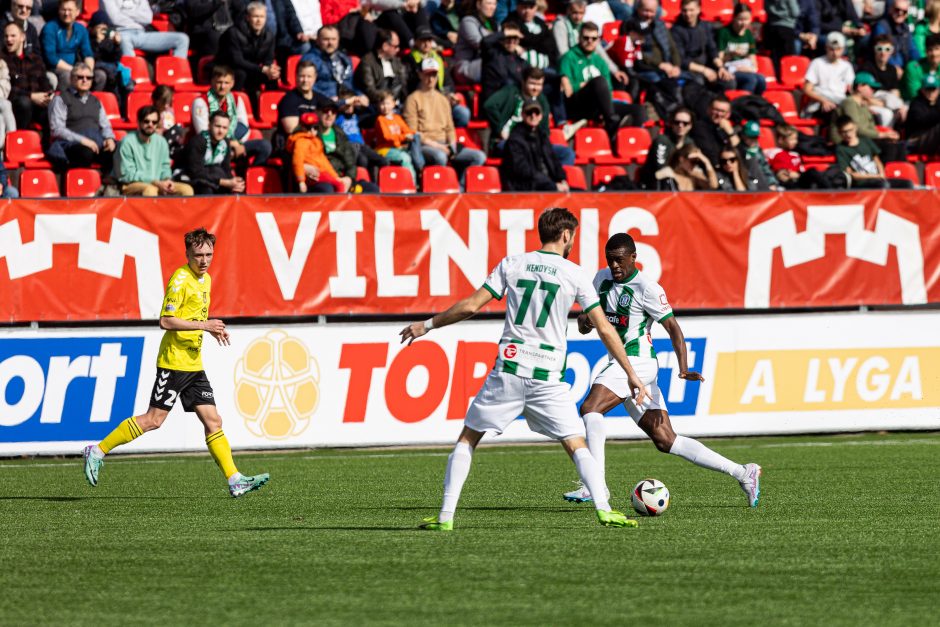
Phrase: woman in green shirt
(737, 49)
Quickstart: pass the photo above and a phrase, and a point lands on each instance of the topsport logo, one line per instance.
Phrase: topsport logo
(588, 357)
(66, 388)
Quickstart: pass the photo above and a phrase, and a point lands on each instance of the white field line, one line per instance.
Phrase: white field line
(490, 451)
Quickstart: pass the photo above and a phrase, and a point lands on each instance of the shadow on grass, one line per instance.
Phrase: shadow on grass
(501, 508)
(327, 528)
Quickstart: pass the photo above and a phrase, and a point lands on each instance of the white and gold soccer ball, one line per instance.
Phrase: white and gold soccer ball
(650, 497)
(277, 386)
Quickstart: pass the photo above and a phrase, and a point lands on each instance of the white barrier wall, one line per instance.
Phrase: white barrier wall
(354, 385)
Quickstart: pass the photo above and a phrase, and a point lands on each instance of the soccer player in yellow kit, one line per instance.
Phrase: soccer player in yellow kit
(185, 315)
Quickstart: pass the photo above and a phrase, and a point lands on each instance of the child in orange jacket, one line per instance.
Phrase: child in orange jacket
(309, 162)
(394, 138)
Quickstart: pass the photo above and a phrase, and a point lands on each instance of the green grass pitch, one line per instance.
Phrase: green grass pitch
(847, 533)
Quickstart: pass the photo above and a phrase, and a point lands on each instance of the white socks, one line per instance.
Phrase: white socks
(97, 452)
(592, 475)
(235, 478)
(458, 467)
(596, 438)
(701, 455)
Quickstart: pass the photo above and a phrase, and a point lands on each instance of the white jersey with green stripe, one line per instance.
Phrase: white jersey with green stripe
(631, 306)
(540, 288)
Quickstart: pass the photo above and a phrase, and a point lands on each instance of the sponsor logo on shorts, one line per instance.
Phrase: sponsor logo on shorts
(206, 394)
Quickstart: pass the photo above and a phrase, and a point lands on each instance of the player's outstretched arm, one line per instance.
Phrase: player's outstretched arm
(460, 310)
(678, 345)
(614, 346)
(215, 327)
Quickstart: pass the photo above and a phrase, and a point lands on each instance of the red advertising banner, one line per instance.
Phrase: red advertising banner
(109, 259)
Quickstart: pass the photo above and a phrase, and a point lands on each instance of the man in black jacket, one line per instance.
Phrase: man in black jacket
(207, 20)
(371, 76)
(529, 163)
(697, 50)
(502, 64)
(248, 48)
(207, 160)
(923, 118)
(714, 132)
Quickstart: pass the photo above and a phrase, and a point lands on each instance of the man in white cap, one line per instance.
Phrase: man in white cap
(428, 111)
(829, 78)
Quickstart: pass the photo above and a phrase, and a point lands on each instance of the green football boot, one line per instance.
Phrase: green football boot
(614, 518)
(93, 465)
(248, 484)
(431, 524)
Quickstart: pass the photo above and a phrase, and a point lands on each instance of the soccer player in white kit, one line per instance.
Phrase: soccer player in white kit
(631, 301)
(540, 287)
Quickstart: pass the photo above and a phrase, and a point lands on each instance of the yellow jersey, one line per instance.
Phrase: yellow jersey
(187, 298)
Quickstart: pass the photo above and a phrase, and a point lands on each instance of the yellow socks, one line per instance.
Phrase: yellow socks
(221, 452)
(122, 434)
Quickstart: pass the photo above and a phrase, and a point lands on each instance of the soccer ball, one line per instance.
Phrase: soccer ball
(650, 497)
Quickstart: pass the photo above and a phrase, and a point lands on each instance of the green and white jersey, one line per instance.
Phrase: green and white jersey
(540, 289)
(631, 306)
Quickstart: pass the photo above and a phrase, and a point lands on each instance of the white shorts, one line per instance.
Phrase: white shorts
(547, 406)
(614, 379)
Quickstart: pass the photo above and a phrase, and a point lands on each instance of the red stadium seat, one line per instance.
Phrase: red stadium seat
(395, 179)
(468, 138)
(621, 96)
(39, 184)
(765, 67)
(82, 183)
(610, 31)
(89, 7)
(557, 136)
(140, 73)
(757, 10)
(135, 101)
(591, 145)
(932, 175)
(575, 177)
(793, 71)
(175, 72)
(633, 144)
(289, 76)
(267, 108)
(25, 148)
(732, 94)
(202, 68)
(671, 10)
(439, 179)
(483, 179)
(362, 174)
(766, 139)
(183, 107)
(603, 174)
(112, 109)
(783, 101)
(263, 180)
(717, 11)
(902, 170)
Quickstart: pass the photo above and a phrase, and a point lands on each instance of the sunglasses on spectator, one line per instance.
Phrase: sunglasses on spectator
(150, 122)
(728, 160)
(83, 77)
(532, 112)
(899, 11)
(27, 7)
(589, 38)
(682, 122)
(884, 48)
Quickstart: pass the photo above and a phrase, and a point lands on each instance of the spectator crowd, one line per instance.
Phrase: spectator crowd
(186, 97)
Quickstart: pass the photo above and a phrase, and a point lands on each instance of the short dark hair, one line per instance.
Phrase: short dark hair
(591, 26)
(222, 70)
(382, 37)
(303, 65)
(931, 41)
(198, 237)
(532, 72)
(162, 96)
(553, 222)
(883, 38)
(740, 8)
(621, 240)
(18, 26)
(844, 120)
(146, 110)
(218, 114)
(686, 3)
(719, 98)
